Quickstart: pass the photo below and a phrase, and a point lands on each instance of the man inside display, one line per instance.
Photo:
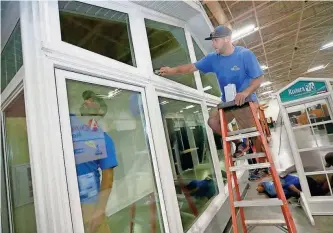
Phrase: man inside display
(94, 151)
(232, 65)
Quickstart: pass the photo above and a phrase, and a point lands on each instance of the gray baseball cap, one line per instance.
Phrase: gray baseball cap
(220, 31)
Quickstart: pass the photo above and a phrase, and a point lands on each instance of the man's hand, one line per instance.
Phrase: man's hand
(240, 98)
(165, 71)
(97, 219)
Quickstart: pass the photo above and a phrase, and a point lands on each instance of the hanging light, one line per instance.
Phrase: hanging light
(241, 33)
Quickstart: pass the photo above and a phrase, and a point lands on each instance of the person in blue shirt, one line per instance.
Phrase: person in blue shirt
(94, 151)
(202, 188)
(232, 65)
(292, 187)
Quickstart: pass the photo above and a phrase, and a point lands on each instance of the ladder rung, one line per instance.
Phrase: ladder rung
(250, 156)
(268, 222)
(242, 131)
(264, 202)
(241, 136)
(249, 166)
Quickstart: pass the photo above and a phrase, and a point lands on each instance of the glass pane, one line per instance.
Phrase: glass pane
(97, 29)
(209, 80)
(305, 138)
(318, 185)
(168, 47)
(322, 138)
(190, 157)
(297, 115)
(18, 167)
(113, 158)
(220, 153)
(318, 111)
(11, 57)
(312, 161)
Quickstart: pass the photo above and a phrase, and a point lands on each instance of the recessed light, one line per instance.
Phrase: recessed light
(316, 68)
(326, 46)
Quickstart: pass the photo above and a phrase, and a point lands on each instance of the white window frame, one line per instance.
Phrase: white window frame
(41, 21)
(205, 218)
(61, 78)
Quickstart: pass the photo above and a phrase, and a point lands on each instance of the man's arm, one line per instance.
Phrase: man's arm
(294, 189)
(183, 69)
(106, 187)
(255, 84)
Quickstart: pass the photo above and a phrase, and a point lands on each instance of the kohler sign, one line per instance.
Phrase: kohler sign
(302, 89)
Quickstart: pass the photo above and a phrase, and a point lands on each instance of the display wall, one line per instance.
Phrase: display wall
(151, 120)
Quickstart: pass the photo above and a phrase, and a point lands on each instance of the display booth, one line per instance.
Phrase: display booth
(307, 111)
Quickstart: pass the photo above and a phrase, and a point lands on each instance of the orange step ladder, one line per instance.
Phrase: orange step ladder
(287, 224)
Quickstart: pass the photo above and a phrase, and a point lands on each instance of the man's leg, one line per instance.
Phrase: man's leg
(214, 121)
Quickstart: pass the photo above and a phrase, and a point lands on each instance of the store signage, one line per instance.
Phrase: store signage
(302, 89)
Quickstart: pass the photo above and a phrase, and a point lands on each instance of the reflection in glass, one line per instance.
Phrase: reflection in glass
(113, 161)
(17, 161)
(190, 156)
(168, 47)
(320, 185)
(220, 153)
(305, 138)
(97, 29)
(312, 161)
(209, 80)
(11, 57)
(318, 111)
(297, 115)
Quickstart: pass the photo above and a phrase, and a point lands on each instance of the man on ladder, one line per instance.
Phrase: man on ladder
(239, 66)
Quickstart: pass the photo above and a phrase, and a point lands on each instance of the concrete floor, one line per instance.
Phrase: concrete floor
(283, 160)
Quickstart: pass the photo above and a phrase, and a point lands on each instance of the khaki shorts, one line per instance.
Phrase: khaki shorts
(242, 117)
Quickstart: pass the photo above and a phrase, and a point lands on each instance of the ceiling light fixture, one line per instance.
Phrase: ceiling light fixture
(189, 106)
(316, 68)
(266, 92)
(241, 33)
(263, 67)
(207, 88)
(326, 46)
(266, 83)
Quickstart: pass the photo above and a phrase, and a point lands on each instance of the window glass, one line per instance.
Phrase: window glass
(219, 148)
(113, 160)
(17, 162)
(320, 185)
(11, 57)
(297, 115)
(97, 29)
(209, 80)
(190, 156)
(168, 47)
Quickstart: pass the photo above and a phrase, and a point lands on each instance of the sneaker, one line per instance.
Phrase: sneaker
(253, 177)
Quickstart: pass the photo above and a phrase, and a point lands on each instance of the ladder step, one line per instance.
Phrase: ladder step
(250, 156)
(263, 202)
(268, 222)
(241, 136)
(249, 166)
(248, 130)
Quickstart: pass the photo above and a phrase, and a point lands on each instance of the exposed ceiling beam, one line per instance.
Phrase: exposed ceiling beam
(326, 40)
(258, 8)
(262, 42)
(217, 11)
(320, 21)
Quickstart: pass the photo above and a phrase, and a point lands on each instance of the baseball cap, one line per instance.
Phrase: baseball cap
(220, 31)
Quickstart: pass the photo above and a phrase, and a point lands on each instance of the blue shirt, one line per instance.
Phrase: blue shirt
(206, 188)
(238, 68)
(289, 180)
(286, 181)
(93, 150)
